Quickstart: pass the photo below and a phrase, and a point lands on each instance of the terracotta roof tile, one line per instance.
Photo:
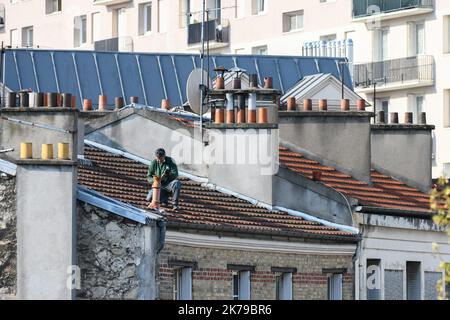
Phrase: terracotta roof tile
(385, 191)
(124, 180)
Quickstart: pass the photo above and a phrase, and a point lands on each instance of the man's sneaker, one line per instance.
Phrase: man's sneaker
(175, 208)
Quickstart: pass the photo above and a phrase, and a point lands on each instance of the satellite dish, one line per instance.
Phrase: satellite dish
(193, 89)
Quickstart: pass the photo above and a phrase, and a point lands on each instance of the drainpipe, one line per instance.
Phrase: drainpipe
(162, 234)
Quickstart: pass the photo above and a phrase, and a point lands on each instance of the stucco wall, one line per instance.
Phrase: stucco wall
(113, 256)
(8, 241)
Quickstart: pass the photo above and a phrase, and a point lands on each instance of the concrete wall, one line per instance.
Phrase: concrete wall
(244, 160)
(45, 230)
(212, 280)
(394, 241)
(8, 240)
(403, 152)
(141, 132)
(116, 256)
(339, 139)
(291, 190)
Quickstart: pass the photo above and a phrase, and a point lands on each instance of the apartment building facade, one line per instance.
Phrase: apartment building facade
(400, 49)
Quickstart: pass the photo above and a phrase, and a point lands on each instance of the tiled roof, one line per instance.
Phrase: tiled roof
(124, 179)
(385, 191)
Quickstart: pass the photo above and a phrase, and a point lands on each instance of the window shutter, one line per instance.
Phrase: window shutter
(244, 285)
(413, 281)
(286, 286)
(337, 286)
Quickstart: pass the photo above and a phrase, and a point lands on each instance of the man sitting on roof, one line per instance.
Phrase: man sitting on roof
(165, 168)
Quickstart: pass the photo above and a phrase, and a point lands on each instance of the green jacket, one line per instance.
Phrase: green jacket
(157, 169)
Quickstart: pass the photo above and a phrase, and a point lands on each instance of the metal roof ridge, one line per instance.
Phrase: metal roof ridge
(114, 206)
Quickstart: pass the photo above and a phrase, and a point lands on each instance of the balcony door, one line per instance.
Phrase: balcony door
(121, 23)
(381, 45)
(214, 7)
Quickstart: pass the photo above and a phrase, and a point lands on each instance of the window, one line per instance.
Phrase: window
(96, 27)
(14, 38)
(145, 18)
(121, 22)
(80, 31)
(447, 108)
(292, 21)
(241, 285)
(162, 16)
(418, 108)
(259, 6)
(182, 287)
(447, 34)
(373, 273)
(283, 286)
(420, 38)
(335, 286)
(413, 281)
(52, 6)
(262, 50)
(328, 37)
(185, 13)
(214, 7)
(240, 8)
(381, 43)
(27, 37)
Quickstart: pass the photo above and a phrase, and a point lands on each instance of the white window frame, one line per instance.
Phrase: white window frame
(26, 36)
(53, 6)
(144, 18)
(256, 7)
(287, 21)
(258, 50)
(80, 31)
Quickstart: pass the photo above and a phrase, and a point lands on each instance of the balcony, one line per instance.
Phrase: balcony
(109, 2)
(396, 74)
(216, 31)
(124, 44)
(367, 10)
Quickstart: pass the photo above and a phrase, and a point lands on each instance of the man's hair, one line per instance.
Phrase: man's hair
(160, 152)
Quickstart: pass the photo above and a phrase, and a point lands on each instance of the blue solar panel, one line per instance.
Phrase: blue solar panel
(149, 76)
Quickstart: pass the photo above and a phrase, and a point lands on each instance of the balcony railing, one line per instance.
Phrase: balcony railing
(411, 70)
(215, 30)
(364, 8)
(114, 44)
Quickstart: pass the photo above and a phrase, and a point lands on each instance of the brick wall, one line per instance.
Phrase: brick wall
(212, 280)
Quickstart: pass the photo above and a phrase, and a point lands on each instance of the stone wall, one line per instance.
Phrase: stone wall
(212, 280)
(111, 255)
(8, 243)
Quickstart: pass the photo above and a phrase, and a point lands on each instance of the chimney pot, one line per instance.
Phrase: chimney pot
(52, 100)
(66, 100)
(26, 150)
(408, 117)
(307, 105)
(323, 104)
(262, 115)
(381, 117)
(241, 115)
(47, 151)
(165, 104)
(361, 105)
(63, 151)
(253, 80)
(230, 116)
(291, 104)
(118, 103)
(45, 100)
(58, 100)
(134, 100)
(219, 116)
(220, 83)
(87, 105)
(423, 118)
(24, 99)
(268, 83)
(345, 104)
(11, 100)
(74, 102)
(102, 102)
(39, 99)
(251, 116)
(394, 117)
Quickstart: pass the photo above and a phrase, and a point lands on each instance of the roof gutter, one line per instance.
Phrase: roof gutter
(395, 212)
